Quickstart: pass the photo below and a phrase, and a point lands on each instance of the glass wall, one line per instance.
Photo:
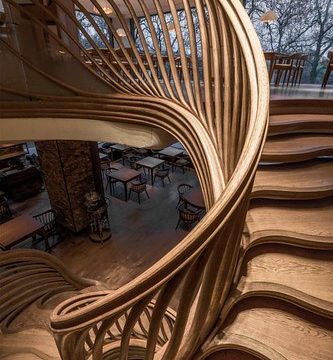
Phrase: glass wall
(301, 26)
(89, 28)
(172, 34)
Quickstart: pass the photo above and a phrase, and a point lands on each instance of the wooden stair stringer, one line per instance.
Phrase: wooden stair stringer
(305, 223)
(307, 180)
(28, 344)
(267, 329)
(300, 123)
(295, 148)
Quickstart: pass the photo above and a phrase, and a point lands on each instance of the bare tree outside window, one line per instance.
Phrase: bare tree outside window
(302, 26)
(90, 29)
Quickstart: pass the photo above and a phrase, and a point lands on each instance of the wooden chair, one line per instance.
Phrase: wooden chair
(187, 217)
(299, 61)
(5, 212)
(48, 219)
(138, 187)
(182, 190)
(110, 182)
(329, 69)
(162, 174)
(181, 162)
(282, 67)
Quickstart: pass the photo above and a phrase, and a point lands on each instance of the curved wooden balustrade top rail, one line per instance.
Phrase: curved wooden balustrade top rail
(219, 112)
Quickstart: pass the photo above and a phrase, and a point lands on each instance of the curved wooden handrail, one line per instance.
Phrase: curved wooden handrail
(30, 275)
(223, 129)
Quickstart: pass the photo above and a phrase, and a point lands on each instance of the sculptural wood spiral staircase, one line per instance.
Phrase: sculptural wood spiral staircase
(258, 293)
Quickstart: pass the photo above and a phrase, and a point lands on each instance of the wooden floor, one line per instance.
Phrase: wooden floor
(303, 91)
(141, 234)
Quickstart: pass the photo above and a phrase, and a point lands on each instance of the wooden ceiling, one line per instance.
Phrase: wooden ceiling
(136, 5)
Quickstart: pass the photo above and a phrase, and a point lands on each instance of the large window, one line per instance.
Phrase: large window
(90, 29)
(304, 26)
(171, 33)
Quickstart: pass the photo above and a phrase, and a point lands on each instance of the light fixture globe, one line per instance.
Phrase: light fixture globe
(121, 32)
(269, 17)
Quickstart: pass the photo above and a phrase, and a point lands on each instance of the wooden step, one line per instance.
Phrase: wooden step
(294, 148)
(306, 180)
(300, 123)
(307, 223)
(277, 333)
(303, 276)
(32, 344)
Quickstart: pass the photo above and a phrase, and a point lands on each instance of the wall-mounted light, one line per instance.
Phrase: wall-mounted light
(106, 9)
(121, 32)
(269, 17)
(171, 27)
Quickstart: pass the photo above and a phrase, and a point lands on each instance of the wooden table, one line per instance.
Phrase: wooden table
(116, 166)
(19, 229)
(150, 163)
(118, 147)
(195, 198)
(170, 152)
(124, 175)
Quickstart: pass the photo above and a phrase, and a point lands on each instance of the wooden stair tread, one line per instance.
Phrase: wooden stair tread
(277, 334)
(29, 344)
(291, 123)
(306, 180)
(306, 223)
(293, 148)
(303, 274)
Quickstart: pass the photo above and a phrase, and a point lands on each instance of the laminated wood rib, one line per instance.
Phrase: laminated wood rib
(300, 123)
(304, 223)
(222, 128)
(306, 180)
(294, 148)
(277, 333)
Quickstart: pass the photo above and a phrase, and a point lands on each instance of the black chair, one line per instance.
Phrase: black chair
(110, 182)
(48, 219)
(181, 162)
(5, 212)
(182, 190)
(162, 174)
(139, 187)
(188, 217)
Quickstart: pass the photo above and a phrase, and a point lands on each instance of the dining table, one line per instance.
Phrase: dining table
(170, 152)
(20, 228)
(119, 147)
(124, 175)
(194, 197)
(150, 163)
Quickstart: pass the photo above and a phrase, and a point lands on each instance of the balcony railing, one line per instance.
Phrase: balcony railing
(218, 111)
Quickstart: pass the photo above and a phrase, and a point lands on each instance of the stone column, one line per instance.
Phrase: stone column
(70, 169)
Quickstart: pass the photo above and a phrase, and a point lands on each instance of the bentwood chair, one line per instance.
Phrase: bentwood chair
(283, 66)
(329, 69)
(5, 212)
(110, 182)
(188, 217)
(138, 187)
(162, 174)
(182, 190)
(299, 61)
(48, 219)
(181, 162)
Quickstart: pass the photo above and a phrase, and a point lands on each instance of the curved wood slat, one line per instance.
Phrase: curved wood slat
(225, 164)
(296, 148)
(267, 330)
(306, 223)
(306, 180)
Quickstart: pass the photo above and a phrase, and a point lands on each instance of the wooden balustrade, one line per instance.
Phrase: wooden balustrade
(220, 116)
